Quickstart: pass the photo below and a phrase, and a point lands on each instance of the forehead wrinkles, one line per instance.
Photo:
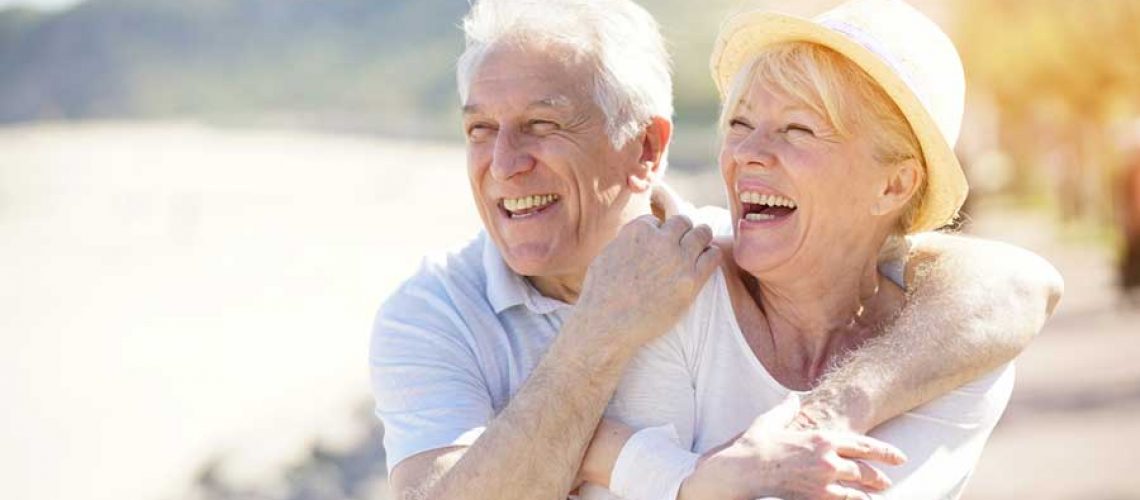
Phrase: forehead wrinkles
(526, 77)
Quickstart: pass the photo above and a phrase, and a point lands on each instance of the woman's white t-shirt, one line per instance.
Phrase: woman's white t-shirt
(703, 379)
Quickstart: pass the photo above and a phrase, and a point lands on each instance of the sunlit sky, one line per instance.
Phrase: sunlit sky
(46, 4)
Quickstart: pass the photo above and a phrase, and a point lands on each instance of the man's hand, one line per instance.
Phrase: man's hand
(646, 278)
(768, 460)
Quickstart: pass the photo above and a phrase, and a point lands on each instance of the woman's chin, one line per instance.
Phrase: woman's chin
(756, 255)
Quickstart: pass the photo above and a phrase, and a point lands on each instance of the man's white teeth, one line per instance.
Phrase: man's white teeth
(759, 216)
(771, 200)
(528, 202)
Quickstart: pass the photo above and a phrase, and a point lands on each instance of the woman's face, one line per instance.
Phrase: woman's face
(801, 194)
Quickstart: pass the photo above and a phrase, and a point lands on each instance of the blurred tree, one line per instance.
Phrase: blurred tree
(1062, 74)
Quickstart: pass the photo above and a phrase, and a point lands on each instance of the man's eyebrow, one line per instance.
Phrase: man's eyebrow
(551, 102)
(546, 102)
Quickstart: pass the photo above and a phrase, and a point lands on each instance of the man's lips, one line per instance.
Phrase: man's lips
(526, 206)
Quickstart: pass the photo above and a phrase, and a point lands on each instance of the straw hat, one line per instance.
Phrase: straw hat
(901, 49)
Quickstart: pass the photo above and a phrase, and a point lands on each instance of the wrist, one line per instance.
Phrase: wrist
(609, 440)
(709, 481)
(845, 410)
(592, 338)
(691, 489)
(652, 464)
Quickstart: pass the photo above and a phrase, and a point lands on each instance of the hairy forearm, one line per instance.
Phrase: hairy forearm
(974, 305)
(634, 291)
(534, 447)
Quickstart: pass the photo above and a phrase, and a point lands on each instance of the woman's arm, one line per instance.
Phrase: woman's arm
(656, 390)
(609, 439)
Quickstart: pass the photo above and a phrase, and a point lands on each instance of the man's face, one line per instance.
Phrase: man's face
(549, 185)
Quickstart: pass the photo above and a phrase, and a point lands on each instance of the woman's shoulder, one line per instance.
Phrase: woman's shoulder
(685, 338)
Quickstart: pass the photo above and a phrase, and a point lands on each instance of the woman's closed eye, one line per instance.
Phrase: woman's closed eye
(793, 129)
(740, 125)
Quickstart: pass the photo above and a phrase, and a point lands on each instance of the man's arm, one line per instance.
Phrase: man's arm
(634, 291)
(974, 305)
(534, 446)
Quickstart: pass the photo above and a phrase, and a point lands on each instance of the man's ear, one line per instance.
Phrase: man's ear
(651, 162)
(901, 185)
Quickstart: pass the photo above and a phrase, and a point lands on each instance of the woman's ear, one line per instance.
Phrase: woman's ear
(901, 184)
(651, 160)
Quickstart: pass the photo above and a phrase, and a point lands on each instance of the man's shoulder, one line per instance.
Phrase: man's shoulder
(456, 269)
(433, 294)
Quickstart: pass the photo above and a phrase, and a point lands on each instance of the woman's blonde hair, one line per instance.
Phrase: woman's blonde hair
(840, 91)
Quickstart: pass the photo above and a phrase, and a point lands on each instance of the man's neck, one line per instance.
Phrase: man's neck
(565, 288)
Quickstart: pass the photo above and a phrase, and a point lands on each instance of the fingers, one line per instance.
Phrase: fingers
(840, 492)
(707, 262)
(676, 227)
(872, 477)
(648, 219)
(859, 473)
(867, 448)
(696, 239)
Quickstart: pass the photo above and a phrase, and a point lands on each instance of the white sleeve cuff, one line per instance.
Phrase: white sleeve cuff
(652, 465)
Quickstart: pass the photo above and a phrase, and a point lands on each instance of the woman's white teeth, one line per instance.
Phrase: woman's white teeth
(529, 202)
(771, 200)
(759, 216)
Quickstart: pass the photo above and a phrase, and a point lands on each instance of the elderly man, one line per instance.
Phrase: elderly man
(492, 365)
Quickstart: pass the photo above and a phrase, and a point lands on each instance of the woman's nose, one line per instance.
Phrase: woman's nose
(754, 150)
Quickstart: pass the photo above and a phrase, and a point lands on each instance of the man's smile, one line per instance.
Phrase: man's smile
(527, 206)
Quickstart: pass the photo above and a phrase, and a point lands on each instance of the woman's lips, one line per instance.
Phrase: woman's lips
(762, 207)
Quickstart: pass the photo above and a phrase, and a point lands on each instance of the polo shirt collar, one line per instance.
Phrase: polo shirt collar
(506, 289)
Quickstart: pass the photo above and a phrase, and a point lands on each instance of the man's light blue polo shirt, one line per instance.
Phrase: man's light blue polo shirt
(458, 339)
(452, 345)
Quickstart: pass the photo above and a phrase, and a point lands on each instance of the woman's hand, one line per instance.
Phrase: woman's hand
(768, 460)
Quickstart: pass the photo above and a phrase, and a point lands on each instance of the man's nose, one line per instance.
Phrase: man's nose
(511, 157)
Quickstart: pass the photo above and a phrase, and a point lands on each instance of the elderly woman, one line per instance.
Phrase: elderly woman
(837, 144)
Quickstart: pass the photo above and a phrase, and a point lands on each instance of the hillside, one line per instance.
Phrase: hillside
(378, 67)
(348, 63)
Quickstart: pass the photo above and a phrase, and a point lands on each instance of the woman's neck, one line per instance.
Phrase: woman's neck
(802, 324)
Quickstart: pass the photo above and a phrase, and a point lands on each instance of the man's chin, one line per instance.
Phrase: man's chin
(530, 259)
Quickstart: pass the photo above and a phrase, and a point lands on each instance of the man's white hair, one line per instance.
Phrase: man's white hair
(631, 83)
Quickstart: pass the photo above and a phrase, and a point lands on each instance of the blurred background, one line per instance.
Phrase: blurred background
(202, 204)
